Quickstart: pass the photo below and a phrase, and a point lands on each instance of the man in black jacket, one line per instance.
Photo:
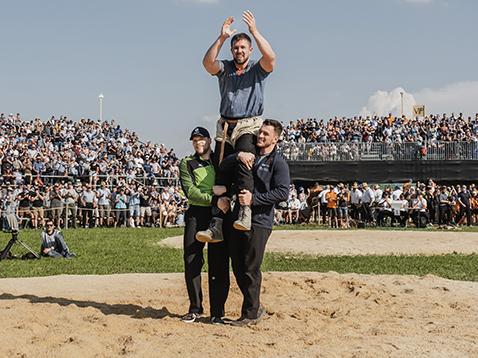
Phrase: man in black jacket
(246, 248)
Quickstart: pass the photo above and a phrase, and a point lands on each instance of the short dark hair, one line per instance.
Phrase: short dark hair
(276, 124)
(240, 36)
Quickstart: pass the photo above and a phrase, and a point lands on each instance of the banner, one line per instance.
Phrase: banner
(419, 110)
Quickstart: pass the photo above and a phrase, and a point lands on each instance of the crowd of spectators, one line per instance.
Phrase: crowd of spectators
(385, 129)
(86, 172)
(411, 204)
(90, 173)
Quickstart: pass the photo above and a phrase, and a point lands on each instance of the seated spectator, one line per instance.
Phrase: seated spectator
(53, 244)
(420, 212)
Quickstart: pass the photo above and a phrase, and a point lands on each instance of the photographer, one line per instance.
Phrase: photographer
(53, 244)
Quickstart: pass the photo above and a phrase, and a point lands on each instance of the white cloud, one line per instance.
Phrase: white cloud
(459, 97)
(382, 103)
(455, 97)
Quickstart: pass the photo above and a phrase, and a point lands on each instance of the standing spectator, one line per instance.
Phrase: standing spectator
(331, 198)
(24, 203)
(104, 204)
(368, 198)
(133, 204)
(343, 207)
(355, 202)
(145, 207)
(71, 200)
(37, 198)
(465, 206)
(323, 204)
(444, 207)
(56, 204)
(88, 203)
(121, 207)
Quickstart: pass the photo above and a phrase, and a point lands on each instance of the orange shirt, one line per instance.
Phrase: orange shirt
(331, 198)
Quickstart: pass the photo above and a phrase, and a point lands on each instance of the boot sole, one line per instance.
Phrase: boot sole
(206, 239)
(240, 227)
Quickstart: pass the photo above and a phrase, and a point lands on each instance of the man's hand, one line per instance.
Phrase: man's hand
(249, 19)
(218, 190)
(246, 158)
(226, 30)
(224, 204)
(245, 197)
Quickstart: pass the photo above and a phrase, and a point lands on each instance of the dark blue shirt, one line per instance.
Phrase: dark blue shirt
(242, 95)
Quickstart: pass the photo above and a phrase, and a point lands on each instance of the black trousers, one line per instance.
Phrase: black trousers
(246, 249)
(231, 170)
(88, 213)
(444, 215)
(382, 214)
(196, 219)
(367, 212)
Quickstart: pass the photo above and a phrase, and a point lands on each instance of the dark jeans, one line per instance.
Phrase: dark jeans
(246, 249)
(196, 219)
(367, 212)
(231, 170)
(382, 214)
(420, 218)
(466, 211)
(444, 215)
(88, 212)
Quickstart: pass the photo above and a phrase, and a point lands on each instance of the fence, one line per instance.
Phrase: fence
(357, 151)
(110, 180)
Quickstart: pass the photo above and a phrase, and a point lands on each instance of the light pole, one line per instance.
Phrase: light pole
(401, 94)
(100, 97)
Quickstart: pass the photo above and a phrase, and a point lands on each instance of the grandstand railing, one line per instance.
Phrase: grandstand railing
(358, 151)
(110, 180)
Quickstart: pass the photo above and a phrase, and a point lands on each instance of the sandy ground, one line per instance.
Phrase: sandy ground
(308, 314)
(365, 242)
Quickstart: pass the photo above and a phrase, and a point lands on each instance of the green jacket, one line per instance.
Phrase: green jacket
(197, 179)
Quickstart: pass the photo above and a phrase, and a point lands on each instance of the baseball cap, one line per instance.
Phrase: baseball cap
(200, 131)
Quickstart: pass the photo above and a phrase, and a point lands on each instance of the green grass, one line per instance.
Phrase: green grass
(110, 251)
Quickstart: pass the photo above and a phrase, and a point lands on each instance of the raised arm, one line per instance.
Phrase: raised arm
(210, 61)
(268, 59)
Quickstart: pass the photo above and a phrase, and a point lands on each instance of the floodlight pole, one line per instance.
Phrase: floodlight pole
(401, 94)
(101, 97)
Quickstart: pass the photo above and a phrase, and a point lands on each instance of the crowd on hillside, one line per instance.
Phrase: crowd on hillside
(385, 129)
(416, 204)
(59, 166)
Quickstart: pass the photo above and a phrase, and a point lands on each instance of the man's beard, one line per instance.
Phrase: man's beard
(241, 62)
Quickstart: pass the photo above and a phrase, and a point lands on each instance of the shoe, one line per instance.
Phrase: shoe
(217, 320)
(190, 317)
(213, 234)
(243, 223)
(244, 321)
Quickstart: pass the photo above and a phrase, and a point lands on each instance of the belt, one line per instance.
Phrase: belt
(233, 119)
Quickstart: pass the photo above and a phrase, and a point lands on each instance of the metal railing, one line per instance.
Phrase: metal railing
(110, 180)
(358, 151)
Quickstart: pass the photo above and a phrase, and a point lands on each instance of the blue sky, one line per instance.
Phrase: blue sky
(145, 56)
